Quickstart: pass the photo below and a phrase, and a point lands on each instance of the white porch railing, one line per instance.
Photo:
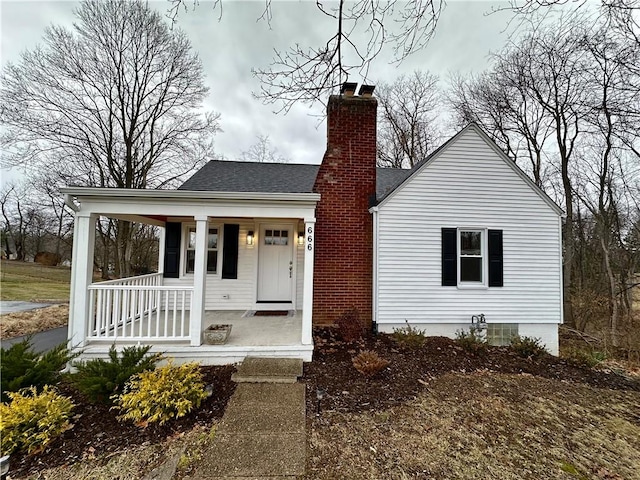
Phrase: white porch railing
(139, 309)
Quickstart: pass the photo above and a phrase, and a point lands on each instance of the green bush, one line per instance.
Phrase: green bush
(528, 347)
(22, 367)
(31, 420)
(100, 379)
(409, 336)
(587, 357)
(471, 341)
(162, 394)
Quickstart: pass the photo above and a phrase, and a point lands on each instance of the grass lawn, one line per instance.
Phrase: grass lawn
(31, 281)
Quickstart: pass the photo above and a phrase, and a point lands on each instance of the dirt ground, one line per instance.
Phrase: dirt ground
(439, 412)
(33, 321)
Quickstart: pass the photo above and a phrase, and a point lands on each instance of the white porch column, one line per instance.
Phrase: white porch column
(307, 291)
(199, 280)
(161, 239)
(84, 236)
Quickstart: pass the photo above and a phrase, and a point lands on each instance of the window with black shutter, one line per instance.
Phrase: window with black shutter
(472, 256)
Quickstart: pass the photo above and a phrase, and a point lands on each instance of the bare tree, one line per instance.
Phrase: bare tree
(363, 29)
(262, 151)
(115, 102)
(14, 221)
(407, 119)
(499, 102)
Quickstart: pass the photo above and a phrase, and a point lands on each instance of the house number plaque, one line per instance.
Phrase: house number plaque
(309, 238)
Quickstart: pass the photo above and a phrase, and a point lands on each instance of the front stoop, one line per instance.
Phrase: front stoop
(262, 433)
(268, 370)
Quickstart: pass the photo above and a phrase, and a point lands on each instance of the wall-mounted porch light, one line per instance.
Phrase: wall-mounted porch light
(301, 238)
(250, 237)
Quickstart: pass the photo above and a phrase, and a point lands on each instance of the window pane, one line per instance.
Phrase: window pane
(191, 260)
(470, 269)
(192, 238)
(213, 238)
(212, 261)
(470, 243)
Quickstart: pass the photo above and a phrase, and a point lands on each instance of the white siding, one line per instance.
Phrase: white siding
(467, 185)
(241, 291)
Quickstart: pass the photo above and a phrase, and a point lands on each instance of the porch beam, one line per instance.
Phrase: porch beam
(84, 235)
(307, 291)
(137, 219)
(199, 280)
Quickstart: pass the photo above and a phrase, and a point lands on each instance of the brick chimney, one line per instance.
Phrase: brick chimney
(343, 271)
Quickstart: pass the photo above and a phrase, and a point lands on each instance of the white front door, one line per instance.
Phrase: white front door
(275, 269)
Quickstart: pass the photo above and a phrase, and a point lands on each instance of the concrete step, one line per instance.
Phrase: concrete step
(268, 370)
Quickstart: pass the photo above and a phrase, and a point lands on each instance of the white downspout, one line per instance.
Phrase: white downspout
(374, 211)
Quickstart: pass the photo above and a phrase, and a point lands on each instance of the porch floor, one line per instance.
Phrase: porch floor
(245, 331)
(272, 337)
(252, 331)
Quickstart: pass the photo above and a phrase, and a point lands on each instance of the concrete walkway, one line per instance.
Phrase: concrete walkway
(262, 433)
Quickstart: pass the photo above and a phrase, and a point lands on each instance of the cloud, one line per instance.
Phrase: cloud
(231, 47)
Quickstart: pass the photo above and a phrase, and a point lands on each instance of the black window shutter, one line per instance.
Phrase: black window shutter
(230, 251)
(172, 236)
(449, 257)
(495, 258)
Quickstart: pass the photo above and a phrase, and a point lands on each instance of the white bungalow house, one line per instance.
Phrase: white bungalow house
(273, 249)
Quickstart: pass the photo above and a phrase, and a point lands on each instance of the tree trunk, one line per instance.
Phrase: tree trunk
(567, 267)
(124, 234)
(613, 304)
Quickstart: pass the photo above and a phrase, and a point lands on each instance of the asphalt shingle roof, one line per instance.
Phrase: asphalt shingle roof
(226, 176)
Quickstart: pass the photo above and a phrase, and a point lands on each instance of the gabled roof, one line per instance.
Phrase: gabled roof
(227, 176)
(473, 126)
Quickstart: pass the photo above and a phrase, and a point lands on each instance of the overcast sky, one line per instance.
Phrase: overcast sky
(229, 48)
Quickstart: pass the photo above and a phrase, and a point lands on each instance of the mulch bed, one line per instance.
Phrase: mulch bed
(97, 431)
(410, 368)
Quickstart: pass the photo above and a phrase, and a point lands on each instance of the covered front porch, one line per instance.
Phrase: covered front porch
(220, 257)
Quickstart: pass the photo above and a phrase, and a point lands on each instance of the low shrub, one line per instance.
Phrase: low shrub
(528, 347)
(100, 379)
(587, 357)
(22, 367)
(471, 341)
(159, 395)
(369, 363)
(31, 419)
(350, 326)
(409, 336)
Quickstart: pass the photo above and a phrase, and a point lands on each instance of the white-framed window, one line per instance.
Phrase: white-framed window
(213, 241)
(472, 256)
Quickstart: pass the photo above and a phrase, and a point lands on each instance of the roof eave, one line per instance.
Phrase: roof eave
(185, 195)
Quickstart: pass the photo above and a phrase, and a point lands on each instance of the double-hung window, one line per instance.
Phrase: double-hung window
(212, 250)
(471, 256)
